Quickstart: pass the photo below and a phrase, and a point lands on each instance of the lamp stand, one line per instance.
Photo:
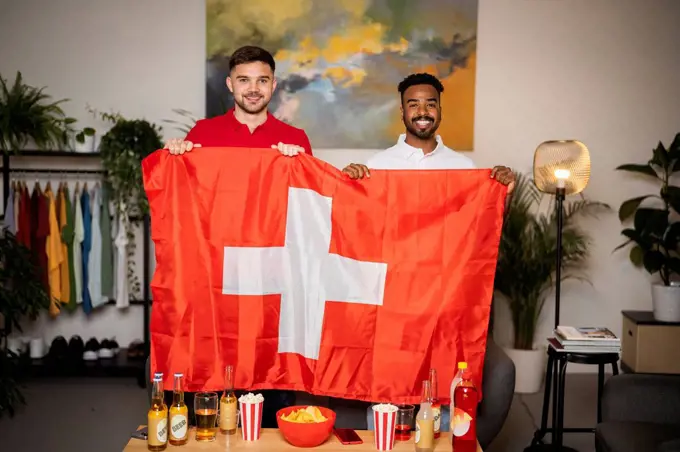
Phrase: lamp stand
(559, 201)
(559, 205)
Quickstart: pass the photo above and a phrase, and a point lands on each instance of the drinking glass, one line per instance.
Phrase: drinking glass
(402, 431)
(205, 407)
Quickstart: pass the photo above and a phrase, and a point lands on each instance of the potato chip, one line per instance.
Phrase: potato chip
(308, 415)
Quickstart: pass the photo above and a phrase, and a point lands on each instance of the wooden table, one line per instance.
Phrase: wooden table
(272, 441)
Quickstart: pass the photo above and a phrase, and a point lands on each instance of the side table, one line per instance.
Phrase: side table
(555, 379)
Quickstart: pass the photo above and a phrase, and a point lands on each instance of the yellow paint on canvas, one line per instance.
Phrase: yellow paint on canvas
(458, 107)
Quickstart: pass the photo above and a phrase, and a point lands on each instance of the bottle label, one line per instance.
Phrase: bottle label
(425, 434)
(178, 427)
(460, 422)
(228, 415)
(157, 428)
(437, 419)
(162, 430)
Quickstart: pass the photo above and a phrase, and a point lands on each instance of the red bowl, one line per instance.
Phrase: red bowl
(306, 435)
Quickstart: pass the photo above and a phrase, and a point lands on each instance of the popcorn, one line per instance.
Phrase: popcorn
(385, 408)
(251, 398)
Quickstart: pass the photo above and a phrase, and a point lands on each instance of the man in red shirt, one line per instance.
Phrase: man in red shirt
(249, 124)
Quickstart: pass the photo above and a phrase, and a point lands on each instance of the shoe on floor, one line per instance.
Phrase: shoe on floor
(91, 350)
(106, 350)
(76, 348)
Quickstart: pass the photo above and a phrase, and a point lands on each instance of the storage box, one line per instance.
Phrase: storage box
(649, 346)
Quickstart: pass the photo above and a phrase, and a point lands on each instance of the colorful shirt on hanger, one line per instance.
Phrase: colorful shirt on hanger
(78, 237)
(24, 224)
(122, 292)
(53, 252)
(68, 237)
(87, 243)
(64, 267)
(94, 269)
(10, 220)
(107, 241)
(40, 230)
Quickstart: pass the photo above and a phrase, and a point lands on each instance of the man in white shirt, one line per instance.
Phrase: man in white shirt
(420, 148)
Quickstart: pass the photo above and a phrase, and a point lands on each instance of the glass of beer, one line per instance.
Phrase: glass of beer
(205, 407)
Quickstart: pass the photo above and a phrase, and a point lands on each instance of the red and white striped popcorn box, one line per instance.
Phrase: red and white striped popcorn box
(384, 421)
(251, 420)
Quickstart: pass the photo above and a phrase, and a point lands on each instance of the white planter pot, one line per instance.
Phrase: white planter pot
(666, 302)
(87, 146)
(529, 369)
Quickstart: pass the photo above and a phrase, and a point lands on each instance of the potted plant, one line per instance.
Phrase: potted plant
(22, 296)
(29, 116)
(122, 149)
(525, 272)
(655, 231)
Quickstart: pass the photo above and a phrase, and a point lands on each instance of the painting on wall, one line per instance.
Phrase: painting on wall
(338, 63)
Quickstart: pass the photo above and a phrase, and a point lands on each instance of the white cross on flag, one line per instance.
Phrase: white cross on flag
(305, 280)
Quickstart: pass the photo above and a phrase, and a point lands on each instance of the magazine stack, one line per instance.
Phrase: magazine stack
(585, 340)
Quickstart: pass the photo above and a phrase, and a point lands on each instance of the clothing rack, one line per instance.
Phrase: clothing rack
(7, 171)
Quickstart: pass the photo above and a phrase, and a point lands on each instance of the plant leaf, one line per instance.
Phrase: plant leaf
(628, 207)
(660, 156)
(636, 256)
(653, 261)
(642, 169)
(673, 197)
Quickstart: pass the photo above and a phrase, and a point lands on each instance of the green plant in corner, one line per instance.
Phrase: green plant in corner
(28, 113)
(22, 295)
(525, 272)
(655, 237)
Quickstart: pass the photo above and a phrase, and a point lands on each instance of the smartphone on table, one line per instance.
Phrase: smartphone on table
(347, 436)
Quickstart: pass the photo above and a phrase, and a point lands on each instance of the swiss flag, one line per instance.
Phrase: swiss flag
(306, 280)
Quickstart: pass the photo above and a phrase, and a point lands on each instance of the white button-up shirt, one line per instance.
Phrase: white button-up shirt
(404, 156)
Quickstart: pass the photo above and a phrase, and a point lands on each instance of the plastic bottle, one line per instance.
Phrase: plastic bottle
(464, 416)
(457, 379)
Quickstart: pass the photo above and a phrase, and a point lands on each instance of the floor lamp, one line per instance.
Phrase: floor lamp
(561, 168)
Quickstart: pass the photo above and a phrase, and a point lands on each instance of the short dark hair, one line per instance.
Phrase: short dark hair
(250, 54)
(422, 78)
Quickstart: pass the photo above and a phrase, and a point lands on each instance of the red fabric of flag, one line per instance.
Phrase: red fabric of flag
(306, 280)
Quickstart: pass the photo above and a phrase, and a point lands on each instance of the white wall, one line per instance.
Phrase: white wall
(602, 72)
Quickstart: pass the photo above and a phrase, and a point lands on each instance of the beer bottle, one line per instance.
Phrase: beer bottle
(435, 404)
(425, 422)
(157, 417)
(179, 423)
(228, 404)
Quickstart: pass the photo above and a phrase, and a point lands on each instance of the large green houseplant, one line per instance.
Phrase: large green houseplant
(28, 114)
(655, 231)
(22, 296)
(525, 273)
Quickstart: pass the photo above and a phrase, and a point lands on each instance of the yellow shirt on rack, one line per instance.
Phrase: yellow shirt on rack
(54, 255)
(63, 268)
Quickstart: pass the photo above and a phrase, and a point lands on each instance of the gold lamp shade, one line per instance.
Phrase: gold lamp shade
(561, 164)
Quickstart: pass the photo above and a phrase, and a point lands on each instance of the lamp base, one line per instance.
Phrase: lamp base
(548, 448)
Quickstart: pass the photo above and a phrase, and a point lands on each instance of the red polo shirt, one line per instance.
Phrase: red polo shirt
(226, 130)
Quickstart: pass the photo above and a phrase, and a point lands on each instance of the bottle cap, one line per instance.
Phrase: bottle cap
(462, 365)
(158, 374)
(178, 374)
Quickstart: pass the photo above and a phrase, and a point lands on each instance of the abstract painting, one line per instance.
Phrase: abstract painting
(338, 63)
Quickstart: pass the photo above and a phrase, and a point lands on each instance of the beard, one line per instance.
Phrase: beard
(256, 104)
(425, 133)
